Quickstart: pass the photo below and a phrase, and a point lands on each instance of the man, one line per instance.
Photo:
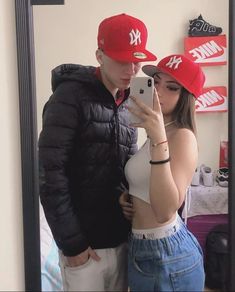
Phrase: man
(83, 147)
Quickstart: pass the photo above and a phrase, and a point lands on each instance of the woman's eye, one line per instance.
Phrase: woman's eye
(171, 88)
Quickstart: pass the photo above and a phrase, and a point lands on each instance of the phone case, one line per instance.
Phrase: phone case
(141, 87)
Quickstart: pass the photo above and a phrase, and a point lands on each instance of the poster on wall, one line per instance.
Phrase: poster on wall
(207, 51)
(212, 99)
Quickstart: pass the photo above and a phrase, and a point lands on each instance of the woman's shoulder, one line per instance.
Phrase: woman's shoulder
(183, 136)
(183, 145)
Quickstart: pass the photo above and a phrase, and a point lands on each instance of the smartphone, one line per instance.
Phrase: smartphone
(143, 88)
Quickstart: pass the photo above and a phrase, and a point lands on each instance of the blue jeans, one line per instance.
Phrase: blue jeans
(173, 263)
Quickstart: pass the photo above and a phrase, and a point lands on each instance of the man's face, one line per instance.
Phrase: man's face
(116, 74)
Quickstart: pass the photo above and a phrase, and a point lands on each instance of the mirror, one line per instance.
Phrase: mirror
(31, 29)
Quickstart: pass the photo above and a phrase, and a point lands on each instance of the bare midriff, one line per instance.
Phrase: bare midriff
(144, 217)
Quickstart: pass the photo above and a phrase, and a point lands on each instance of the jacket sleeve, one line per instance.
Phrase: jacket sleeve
(56, 142)
(133, 146)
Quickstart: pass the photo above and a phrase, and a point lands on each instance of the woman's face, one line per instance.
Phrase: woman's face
(168, 90)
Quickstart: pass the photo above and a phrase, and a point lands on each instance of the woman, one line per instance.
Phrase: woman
(163, 254)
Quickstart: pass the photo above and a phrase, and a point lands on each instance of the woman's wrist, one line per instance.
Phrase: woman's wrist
(158, 140)
(155, 144)
(161, 152)
(159, 162)
(159, 147)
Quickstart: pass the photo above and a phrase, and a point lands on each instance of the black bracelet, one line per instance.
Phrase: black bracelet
(160, 161)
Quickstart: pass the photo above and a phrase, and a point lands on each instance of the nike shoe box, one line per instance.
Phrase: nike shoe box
(201, 225)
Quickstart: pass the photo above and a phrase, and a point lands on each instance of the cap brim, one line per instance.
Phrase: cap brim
(131, 56)
(150, 70)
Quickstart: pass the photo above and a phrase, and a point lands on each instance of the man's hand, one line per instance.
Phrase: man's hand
(127, 206)
(82, 258)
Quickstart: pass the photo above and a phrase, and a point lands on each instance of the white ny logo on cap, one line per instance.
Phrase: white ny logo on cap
(174, 62)
(135, 37)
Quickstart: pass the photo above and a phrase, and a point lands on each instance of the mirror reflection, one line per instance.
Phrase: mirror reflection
(68, 34)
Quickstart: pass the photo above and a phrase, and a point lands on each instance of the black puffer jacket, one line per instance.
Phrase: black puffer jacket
(83, 147)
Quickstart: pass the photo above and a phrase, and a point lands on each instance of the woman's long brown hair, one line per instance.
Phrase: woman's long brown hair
(184, 112)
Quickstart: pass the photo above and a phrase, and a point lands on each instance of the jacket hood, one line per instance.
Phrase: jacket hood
(72, 72)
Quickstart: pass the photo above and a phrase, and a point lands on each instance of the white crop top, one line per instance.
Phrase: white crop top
(137, 171)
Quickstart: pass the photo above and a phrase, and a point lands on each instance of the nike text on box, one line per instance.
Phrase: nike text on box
(212, 99)
(207, 51)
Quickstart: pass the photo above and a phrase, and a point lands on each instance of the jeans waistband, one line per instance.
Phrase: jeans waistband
(158, 232)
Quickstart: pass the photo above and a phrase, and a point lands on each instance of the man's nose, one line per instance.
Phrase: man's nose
(131, 68)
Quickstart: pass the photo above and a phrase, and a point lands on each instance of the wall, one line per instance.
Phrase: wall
(65, 34)
(11, 243)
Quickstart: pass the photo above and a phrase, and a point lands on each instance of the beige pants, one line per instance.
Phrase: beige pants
(108, 274)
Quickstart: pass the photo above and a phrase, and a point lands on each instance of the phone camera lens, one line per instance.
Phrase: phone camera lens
(149, 82)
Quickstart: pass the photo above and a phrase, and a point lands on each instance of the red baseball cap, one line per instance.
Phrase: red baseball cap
(123, 38)
(182, 69)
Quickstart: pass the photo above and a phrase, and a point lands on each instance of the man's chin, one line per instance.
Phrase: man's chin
(124, 86)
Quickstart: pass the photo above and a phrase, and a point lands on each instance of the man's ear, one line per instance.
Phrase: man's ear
(99, 56)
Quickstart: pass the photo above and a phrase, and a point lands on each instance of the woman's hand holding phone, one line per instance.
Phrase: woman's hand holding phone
(142, 88)
(149, 118)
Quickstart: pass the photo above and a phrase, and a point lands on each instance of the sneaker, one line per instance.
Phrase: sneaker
(222, 176)
(207, 176)
(199, 27)
(196, 177)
